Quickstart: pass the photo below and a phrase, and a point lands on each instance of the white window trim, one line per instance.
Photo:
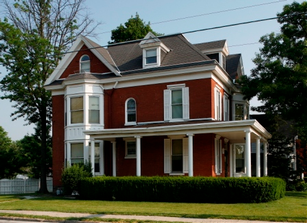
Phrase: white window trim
(85, 109)
(218, 156)
(88, 109)
(168, 155)
(218, 103)
(158, 53)
(68, 151)
(126, 148)
(126, 112)
(101, 161)
(226, 107)
(168, 103)
(81, 62)
(69, 110)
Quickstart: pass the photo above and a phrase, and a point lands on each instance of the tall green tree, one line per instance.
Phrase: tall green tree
(279, 79)
(134, 28)
(29, 148)
(32, 37)
(10, 158)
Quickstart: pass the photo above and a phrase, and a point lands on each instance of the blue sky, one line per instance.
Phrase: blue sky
(177, 16)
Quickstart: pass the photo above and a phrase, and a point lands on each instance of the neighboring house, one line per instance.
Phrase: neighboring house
(160, 106)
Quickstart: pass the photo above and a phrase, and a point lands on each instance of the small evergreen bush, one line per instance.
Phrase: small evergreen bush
(72, 175)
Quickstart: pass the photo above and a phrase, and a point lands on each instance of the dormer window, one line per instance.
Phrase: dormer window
(85, 64)
(151, 56)
(153, 51)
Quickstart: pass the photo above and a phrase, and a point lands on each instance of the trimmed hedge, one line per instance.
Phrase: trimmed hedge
(183, 189)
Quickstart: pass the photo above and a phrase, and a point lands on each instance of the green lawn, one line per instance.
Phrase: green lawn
(293, 207)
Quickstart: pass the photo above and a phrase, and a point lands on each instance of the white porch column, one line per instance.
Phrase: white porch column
(68, 155)
(248, 153)
(93, 156)
(265, 159)
(258, 168)
(191, 166)
(114, 157)
(138, 155)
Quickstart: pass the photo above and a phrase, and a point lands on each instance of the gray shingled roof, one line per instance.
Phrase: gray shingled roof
(129, 56)
(101, 50)
(232, 65)
(211, 45)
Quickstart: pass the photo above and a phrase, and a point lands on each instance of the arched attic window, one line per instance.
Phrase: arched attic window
(130, 112)
(85, 63)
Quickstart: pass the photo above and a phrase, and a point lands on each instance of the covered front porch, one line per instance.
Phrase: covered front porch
(229, 142)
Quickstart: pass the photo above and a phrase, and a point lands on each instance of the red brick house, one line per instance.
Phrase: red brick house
(158, 106)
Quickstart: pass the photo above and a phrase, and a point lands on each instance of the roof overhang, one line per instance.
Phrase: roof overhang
(232, 130)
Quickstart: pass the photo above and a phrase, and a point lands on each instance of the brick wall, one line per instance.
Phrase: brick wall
(149, 102)
(57, 138)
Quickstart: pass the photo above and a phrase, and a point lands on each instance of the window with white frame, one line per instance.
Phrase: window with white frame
(226, 107)
(151, 56)
(77, 154)
(97, 156)
(176, 103)
(93, 110)
(218, 104)
(85, 63)
(239, 111)
(130, 148)
(218, 155)
(130, 112)
(76, 110)
(176, 155)
(239, 158)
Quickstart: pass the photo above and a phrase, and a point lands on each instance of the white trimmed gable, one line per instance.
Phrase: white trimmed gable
(152, 50)
(77, 45)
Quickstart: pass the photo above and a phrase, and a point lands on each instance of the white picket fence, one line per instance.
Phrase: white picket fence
(22, 186)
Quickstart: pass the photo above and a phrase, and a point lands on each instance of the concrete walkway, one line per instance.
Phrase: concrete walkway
(128, 217)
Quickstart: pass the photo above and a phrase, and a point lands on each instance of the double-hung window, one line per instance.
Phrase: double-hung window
(239, 111)
(176, 103)
(239, 158)
(176, 155)
(93, 110)
(226, 108)
(76, 153)
(151, 56)
(97, 156)
(76, 110)
(218, 105)
(218, 156)
(130, 145)
(130, 112)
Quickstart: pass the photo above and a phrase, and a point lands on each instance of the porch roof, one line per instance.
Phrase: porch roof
(232, 130)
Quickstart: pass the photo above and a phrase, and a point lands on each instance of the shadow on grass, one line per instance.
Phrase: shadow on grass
(296, 194)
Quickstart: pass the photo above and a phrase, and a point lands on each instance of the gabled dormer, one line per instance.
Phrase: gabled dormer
(216, 50)
(153, 51)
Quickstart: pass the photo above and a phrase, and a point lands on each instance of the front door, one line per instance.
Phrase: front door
(239, 167)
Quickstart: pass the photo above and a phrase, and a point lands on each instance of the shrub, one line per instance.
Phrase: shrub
(72, 175)
(183, 189)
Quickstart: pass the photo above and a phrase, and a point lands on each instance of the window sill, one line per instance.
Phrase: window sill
(130, 123)
(130, 157)
(176, 174)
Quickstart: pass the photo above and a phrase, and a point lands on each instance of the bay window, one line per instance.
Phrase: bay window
(76, 110)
